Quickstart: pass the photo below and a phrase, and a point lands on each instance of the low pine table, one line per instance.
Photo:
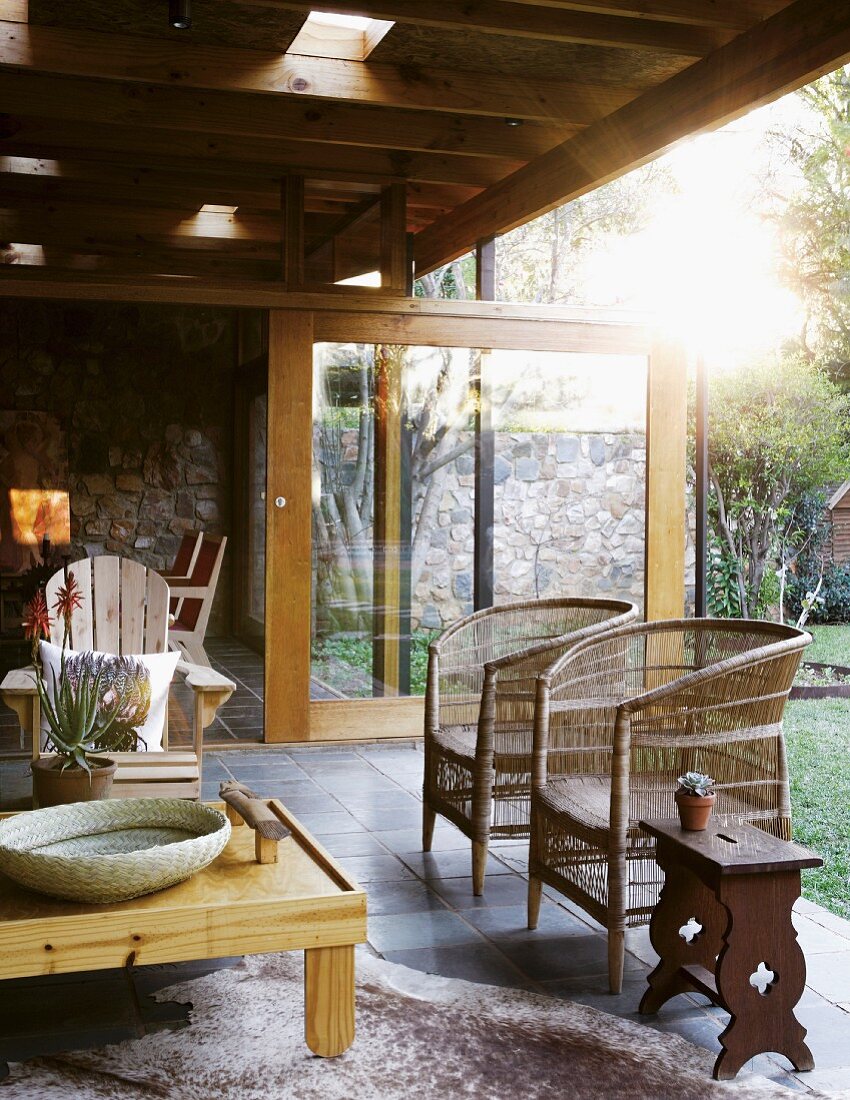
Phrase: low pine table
(257, 897)
(722, 927)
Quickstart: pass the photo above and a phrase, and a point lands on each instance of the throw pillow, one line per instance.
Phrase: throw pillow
(142, 679)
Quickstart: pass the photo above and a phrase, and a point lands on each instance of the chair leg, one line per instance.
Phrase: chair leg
(428, 818)
(479, 866)
(535, 893)
(616, 959)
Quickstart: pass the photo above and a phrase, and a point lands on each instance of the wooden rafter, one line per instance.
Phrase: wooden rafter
(801, 42)
(548, 24)
(60, 52)
(734, 14)
(267, 119)
(32, 137)
(98, 182)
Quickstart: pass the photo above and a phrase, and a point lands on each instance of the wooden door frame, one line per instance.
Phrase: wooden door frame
(290, 714)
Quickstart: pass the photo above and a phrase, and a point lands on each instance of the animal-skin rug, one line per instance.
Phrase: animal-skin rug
(418, 1036)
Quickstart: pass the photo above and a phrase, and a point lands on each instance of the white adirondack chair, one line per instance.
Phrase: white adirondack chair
(125, 611)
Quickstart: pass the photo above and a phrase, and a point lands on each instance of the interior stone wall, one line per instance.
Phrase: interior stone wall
(145, 397)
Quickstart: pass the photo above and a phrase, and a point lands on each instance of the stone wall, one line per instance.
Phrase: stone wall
(145, 396)
(570, 521)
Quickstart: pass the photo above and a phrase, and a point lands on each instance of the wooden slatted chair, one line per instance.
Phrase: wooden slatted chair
(185, 557)
(479, 706)
(125, 611)
(192, 598)
(618, 719)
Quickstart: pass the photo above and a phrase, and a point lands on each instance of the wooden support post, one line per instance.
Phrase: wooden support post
(701, 540)
(394, 244)
(485, 442)
(292, 231)
(289, 478)
(386, 659)
(666, 515)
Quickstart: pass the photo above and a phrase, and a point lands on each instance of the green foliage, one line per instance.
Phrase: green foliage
(818, 739)
(777, 431)
(724, 601)
(344, 662)
(831, 645)
(813, 224)
(833, 604)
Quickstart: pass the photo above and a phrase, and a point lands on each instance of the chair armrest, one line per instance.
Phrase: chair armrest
(210, 687)
(19, 692)
(185, 589)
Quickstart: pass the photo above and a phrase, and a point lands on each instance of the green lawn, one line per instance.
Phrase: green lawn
(817, 732)
(831, 645)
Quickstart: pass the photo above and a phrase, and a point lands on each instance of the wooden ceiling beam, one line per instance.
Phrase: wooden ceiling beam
(798, 44)
(737, 15)
(548, 24)
(138, 260)
(184, 111)
(40, 138)
(178, 64)
(80, 226)
(97, 182)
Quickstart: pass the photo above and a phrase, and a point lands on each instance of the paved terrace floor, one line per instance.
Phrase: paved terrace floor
(364, 804)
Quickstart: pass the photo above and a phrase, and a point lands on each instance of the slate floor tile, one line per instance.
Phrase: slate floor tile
(498, 890)
(377, 868)
(405, 931)
(434, 865)
(326, 824)
(344, 845)
(410, 840)
(409, 896)
(510, 922)
(550, 958)
(476, 962)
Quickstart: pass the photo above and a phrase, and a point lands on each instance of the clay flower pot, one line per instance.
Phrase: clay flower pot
(54, 787)
(694, 810)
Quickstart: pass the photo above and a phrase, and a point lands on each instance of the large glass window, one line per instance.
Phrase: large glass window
(392, 512)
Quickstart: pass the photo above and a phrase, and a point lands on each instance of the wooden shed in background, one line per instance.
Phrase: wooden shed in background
(838, 510)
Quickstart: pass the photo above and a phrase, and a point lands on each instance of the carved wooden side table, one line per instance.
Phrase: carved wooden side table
(722, 927)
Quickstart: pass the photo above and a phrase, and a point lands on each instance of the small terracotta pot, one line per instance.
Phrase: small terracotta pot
(694, 810)
(54, 787)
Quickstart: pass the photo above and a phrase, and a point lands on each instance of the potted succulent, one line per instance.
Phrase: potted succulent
(80, 715)
(695, 800)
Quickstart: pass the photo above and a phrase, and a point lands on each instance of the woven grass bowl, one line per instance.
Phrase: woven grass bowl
(112, 850)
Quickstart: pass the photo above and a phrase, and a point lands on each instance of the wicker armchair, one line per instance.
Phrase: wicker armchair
(618, 719)
(479, 707)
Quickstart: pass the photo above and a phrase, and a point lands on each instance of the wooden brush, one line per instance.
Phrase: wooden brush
(253, 809)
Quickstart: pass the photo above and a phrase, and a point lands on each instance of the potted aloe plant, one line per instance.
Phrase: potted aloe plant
(80, 714)
(695, 800)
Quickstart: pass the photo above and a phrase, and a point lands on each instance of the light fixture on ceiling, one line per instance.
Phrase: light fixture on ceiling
(513, 121)
(180, 14)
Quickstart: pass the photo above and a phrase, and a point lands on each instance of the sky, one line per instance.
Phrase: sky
(706, 267)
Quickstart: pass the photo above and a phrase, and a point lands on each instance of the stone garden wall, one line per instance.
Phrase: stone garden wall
(145, 397)
(569, 522)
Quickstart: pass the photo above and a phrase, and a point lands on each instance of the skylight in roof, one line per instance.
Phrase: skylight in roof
(346, 37)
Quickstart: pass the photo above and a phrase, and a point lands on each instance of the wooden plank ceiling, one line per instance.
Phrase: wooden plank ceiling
(116, 130)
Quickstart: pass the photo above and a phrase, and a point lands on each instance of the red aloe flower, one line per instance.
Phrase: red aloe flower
(68, 598)
(36, 621)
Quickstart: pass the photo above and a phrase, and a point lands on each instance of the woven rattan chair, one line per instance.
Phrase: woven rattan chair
(479, 708)
(618, 719)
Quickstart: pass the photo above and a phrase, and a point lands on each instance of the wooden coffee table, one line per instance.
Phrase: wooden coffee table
(236, 906)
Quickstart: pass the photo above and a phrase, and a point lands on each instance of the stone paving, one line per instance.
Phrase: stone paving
(364, 803)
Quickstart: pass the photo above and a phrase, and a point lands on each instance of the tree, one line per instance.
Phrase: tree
(813, 220)
(777, 431)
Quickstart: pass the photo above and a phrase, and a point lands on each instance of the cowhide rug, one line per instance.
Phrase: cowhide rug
(418, 1036)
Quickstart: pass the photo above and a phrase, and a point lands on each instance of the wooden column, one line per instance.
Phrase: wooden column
(666, 437)
(387, 656)
(701, 493)
(292, 231)
(485, 442)
(288, 526)
(395, 262)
